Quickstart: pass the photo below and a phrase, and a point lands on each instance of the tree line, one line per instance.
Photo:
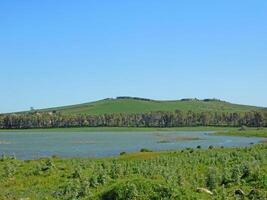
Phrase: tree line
(152, 119)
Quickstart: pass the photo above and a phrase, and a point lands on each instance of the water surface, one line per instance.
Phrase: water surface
(33, 145)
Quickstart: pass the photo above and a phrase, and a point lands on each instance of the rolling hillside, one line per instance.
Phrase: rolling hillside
(140, 105)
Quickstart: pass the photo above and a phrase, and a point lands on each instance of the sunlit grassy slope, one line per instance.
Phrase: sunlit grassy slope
(130, 105)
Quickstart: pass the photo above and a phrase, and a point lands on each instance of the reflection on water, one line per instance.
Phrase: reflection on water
(98, 144)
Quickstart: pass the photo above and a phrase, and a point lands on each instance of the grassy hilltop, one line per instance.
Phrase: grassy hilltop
(130, 105)
(139, 112)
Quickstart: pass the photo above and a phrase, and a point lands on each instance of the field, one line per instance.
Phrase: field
(215, 173)
(130, 105)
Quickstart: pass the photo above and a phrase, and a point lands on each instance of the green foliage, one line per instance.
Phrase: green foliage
(226, 177)
(138, 189)
(9, 169)
(211, 147)
(93, 181)
(245, 170)
(123, 153)
(211, 179)
(129, 112)
(145, 150)
(140, 176)
(49, 165)
(73, 189)
(236, 174)
(159, 119)
(9, 166)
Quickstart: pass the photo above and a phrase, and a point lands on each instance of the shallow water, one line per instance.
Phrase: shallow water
(33, 145)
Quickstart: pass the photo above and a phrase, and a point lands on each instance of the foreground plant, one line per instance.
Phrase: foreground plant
(237, 173)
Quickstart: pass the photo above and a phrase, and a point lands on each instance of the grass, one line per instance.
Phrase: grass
(250, 132)
(167, 175)
(122, 129)
(131, 106)
(166, 139)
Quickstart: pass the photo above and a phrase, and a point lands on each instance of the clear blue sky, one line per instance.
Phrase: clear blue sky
(65, 52)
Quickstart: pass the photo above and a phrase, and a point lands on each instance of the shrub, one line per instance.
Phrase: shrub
(3, 157)
(226, 177)
(235, 174)
(9, 170)
(245, 170)
(37, 170)
(73, 189)
(145, 150)
(48, 165)
(211, 179)
(102, 179)
(262, 181)
(137, 189)
(93, 181)
(243, 128)
(76, 174)
(211, 147)
(123, 153)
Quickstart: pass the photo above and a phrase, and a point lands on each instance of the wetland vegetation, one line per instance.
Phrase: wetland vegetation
(214, 173)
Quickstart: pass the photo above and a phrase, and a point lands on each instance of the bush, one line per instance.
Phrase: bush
(93, 181)
(243, 128)
(226, 177)
(122, 153)
(138, 189)
(9, 170)
(211, 147)
(73, 189)
(211, 179)
(262, 181)
(235, 174)
(49, 165)
(145, 150)
(246, 170)
(102, 179)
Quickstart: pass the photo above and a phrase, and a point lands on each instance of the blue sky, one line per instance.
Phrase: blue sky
(65, 52)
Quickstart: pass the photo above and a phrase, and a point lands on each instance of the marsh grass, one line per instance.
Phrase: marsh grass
(177, 139)
(247, 132)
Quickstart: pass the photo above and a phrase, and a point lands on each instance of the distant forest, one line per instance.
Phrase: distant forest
(153, 119)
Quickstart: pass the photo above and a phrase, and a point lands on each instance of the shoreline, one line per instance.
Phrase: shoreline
(261, 133)
(122, 129)
(217, 131)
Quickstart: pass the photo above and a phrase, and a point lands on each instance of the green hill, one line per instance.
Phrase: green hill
(141, 105)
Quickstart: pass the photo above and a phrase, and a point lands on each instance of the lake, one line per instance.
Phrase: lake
(33, 145)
